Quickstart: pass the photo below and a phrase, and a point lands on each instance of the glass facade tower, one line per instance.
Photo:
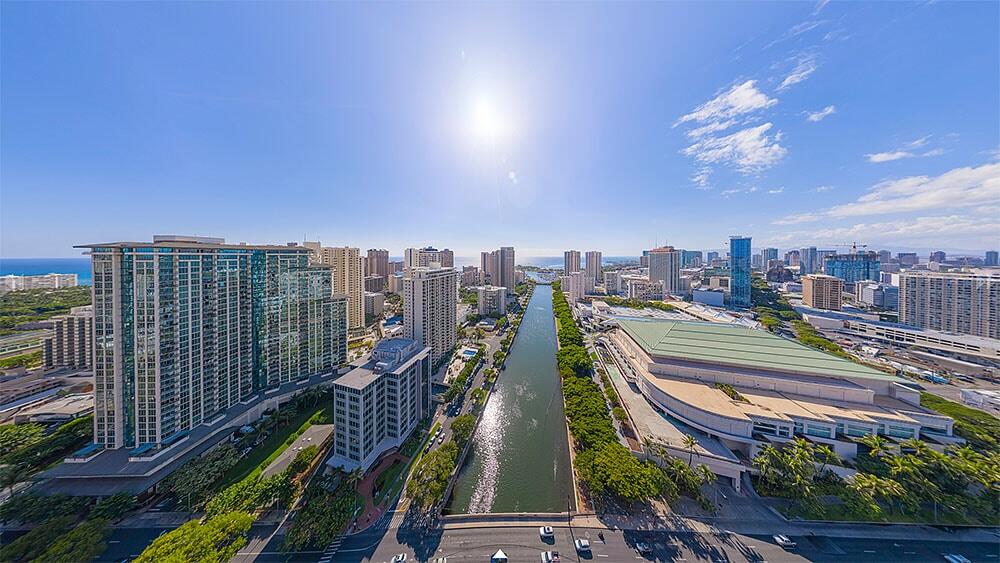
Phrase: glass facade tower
(186, 328)
(739, 265)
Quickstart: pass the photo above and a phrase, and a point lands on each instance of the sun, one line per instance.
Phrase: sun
(487, 122)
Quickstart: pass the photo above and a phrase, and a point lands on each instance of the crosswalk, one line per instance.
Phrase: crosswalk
(331, 549)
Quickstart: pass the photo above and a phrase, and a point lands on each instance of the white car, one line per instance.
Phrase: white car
(545, 532)
(956, 558)
(784, 541)
(643, 548)
(582, 545)
(551, 557)
(399, 558)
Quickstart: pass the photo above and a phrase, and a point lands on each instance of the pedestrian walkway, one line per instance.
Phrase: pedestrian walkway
(371, 512)
(331, 549)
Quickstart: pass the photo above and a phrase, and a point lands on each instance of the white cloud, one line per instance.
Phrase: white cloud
(727, 193)
(512, 176)
(821, 189)
(796, 219)
(748, 150)
(803, 68)
(819, 115)
(945, 230)
(819, 6)
(701, 178)
(970, 187)
(776, 191)
(712, 127)
(888, 156)
(957, 188)
(796, 30)
(738, 100)
(753, 189)
(906, 151)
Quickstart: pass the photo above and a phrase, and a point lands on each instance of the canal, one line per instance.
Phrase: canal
(519, 460)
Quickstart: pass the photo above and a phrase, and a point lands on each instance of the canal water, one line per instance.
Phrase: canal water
(519, 460)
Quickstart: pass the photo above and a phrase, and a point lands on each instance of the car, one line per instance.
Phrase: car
(545, 532)
(551, 557)
(441, 560)
(956, 558)
(582, 545)
(784, 541)
(399, 558)
(440, 439)
(643, 548)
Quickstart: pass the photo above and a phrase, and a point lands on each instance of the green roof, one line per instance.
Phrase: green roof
(740, 346)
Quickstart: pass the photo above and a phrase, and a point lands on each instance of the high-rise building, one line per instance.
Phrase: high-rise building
(992, 258)
(70, 345)
(907, 259)
(374, 284)
(470, 276)
(644, 259)
(665, 267)
(491, 300)
(793, 258)
(755, 262)
(594, 266)
(424, 257)
(822, 291)
(642, 288)
(766, 255)
(378, 262)
(447, 258)
(613, 282)
(575, 285)
(938, 256)
(378, 404)
(966, 302)
(571, 261)
(884, 256)
(691, 259)
(430, 308)
(489, 267)
(505, 268)
(186, 327)
(374, 303)
(347, 278)
(739, 264)
(852, 268)
(878, 295)
(395, 267)
(808, 260)
(711, 258)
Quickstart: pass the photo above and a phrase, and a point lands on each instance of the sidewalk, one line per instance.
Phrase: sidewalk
(371, 513)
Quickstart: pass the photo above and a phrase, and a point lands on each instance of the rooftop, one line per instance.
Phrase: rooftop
(389, 356)
(739, 346)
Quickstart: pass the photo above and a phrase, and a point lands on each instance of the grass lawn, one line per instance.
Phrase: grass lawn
(981, 429)
(260, 457)
(388, 477)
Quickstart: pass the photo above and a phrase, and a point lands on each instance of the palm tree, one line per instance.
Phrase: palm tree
(878, 446)
(11, 476)
(690, 442)
(705, 475)
(353, 478)
(826, 455)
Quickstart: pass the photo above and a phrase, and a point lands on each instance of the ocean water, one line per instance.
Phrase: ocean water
(36, 266)
(545, 261)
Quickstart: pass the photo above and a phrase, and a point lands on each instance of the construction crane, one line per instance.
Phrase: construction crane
(853, 246)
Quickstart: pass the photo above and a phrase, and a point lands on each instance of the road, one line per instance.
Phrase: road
(524, 544)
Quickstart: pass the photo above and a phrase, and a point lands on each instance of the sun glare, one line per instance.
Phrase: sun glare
(487, 122)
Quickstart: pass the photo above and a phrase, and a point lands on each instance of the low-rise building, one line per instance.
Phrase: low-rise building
(70, 345)
(44, 281)
(61, 409)
(748, 387)
(712, 297)
(379, 403)
(641, 287)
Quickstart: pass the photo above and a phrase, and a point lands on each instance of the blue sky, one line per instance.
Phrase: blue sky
(544, 126)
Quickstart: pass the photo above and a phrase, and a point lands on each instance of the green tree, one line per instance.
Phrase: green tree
(611, 469)
(216, 540)
(114, 507)
(83, 543)
(427, 484)
(462, 428)
(690, 442)
(32, 544)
